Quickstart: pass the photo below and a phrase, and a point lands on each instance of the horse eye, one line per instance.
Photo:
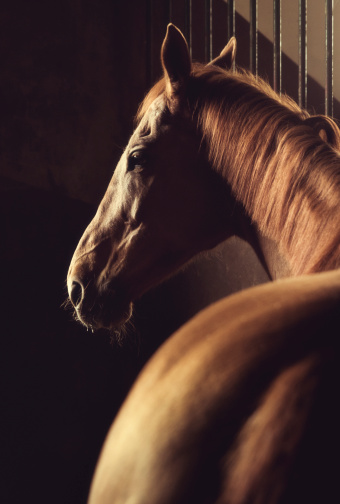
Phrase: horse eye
(136, 160)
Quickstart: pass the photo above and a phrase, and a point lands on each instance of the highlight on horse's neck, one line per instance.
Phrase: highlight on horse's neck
(285, 175)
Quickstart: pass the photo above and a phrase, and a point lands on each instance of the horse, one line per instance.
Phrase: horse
(238, 405)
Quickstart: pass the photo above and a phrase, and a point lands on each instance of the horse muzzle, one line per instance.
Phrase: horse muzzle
(98, 308)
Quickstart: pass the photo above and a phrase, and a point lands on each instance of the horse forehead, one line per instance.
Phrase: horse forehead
(154, 115)
(157, 108)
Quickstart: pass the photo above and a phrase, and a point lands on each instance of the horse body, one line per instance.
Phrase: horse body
(217, 154)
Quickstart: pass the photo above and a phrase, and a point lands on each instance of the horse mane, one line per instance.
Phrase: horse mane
(219, 74)
(291, 181)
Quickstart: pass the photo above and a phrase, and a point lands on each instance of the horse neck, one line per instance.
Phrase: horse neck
(269, 254)
(293, 201)
(288, 181)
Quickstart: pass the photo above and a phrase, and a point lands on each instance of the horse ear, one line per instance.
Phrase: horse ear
(326, 128)
(227, 57)
(176, 60)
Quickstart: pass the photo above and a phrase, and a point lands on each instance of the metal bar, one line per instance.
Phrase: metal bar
(231, 18)
(329, 58)
(277, 47)
(149, 43)
(231, 22)
(208, 30)
(169, 13)
(253, 8)
(188, 23)
(303, 76)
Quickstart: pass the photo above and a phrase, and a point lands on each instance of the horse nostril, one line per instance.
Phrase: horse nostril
(76, 293)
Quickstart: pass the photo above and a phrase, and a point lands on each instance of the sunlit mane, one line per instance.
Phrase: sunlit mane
(272, 155)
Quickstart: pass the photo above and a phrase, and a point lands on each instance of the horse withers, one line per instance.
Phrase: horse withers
(228, 410)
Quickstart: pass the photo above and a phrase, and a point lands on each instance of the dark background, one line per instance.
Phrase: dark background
(72, 75)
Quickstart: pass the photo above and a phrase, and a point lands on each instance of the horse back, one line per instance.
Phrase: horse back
(237, 406)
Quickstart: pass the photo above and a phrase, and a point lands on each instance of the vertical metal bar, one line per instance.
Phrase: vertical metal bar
(149, 43)
(329, 58)
(253, 8)
(277, 47)
(231, 22)
(188, 23)
(231, 18)
(208, 30)
(169, 9)
(303, 53)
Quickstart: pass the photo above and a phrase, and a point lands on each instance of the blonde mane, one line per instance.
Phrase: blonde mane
(282, 164)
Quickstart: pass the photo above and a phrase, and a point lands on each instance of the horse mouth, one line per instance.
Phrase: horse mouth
(104, 316)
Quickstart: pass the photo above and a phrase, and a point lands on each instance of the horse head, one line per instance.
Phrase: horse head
(162, 206)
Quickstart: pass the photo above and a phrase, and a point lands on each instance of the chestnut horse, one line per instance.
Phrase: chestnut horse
(239, 405)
